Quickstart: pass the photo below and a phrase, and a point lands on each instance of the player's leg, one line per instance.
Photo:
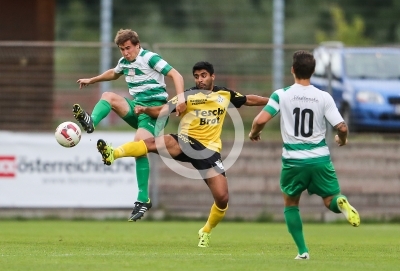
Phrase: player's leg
(325, 184)
(146, 130)
(219, 188)
(294, 180)
(211, 168)
(295, 225)
(164, 145)
(143, 202)
(108, 101)
(143, 168)
(340, 204)
(125, 109)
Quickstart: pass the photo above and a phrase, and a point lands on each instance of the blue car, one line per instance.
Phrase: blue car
(364, 82)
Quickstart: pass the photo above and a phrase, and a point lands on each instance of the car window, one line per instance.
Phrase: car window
(336, 65)
(374, 65)
(322, 58)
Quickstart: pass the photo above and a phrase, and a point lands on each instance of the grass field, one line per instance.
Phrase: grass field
(119, 245)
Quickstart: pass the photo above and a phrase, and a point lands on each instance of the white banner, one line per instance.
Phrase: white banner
(35, 171)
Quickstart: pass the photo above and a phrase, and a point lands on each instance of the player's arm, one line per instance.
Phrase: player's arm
(258, 124)
(105, 76)
(336, 120)
(342, 132)
(179, 88)
(255, 100)
(238, 99)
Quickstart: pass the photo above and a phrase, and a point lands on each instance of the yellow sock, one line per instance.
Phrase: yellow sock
(216, 215)
(131, 149)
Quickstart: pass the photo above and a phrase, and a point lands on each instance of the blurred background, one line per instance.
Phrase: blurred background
(250, 43)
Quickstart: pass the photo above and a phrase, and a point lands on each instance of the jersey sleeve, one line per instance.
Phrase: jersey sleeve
(157, 63)
(237, 99)
(272, 106)
(118, 69)
(331, 111)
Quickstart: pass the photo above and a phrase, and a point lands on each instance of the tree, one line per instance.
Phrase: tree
(349, 34)
(380, 17)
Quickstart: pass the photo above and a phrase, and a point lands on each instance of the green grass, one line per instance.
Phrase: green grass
(117, 245)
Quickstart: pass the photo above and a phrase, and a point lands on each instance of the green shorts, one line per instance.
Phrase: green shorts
(319, 179)
(144, 121)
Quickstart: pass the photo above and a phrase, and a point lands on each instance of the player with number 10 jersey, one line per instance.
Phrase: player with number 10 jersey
(303, 133)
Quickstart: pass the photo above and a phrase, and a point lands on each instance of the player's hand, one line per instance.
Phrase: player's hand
(180, 108)
(139, 109)
(253, 137)
(180, 105)
(83, 82)
(339, 142)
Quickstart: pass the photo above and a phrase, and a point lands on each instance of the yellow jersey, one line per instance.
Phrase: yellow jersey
(205, 113)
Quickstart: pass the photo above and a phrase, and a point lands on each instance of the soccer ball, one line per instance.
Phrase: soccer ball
(68, 134)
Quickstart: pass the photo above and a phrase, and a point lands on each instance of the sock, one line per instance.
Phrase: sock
(216, 215)
(334, 206)
(100, 111)
(131, 149)
(142, 175)
(295, 227)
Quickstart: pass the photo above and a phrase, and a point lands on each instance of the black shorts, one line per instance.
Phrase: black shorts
(198, 155)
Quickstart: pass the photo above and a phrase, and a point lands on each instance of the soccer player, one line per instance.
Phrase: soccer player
(306, 162)
(198, 141)
(144, 73)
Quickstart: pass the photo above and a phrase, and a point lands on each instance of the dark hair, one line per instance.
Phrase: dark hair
(303, 64)
(203, 65)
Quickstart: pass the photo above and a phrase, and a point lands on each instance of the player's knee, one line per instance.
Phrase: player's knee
(109, 97)
(222, 200)
(150, 144)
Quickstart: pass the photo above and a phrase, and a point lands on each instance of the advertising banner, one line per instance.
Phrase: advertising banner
(35, 171)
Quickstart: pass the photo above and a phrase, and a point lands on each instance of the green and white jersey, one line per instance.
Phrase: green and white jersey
(145, 76)
(303, 114)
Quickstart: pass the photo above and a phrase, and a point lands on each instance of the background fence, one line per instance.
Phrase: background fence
(38, 79)
(38, 87)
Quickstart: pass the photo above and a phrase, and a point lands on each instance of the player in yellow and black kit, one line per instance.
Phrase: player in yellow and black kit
(198, 140)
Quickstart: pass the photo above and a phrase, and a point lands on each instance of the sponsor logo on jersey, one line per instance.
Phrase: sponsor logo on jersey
(304, 99)
(185, 139)
(198, 101)
(209, 117)
(237, 94)
(130, 79)
(219, 164)
(207, 113)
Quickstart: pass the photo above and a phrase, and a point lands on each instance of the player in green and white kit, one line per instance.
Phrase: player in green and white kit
(144, 73)
(306, 162)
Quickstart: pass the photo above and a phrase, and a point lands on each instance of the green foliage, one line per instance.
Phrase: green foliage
(348, 33)
(172, 246)
(247, 21)
(76, 21)
(169, 21)
(381, 18)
